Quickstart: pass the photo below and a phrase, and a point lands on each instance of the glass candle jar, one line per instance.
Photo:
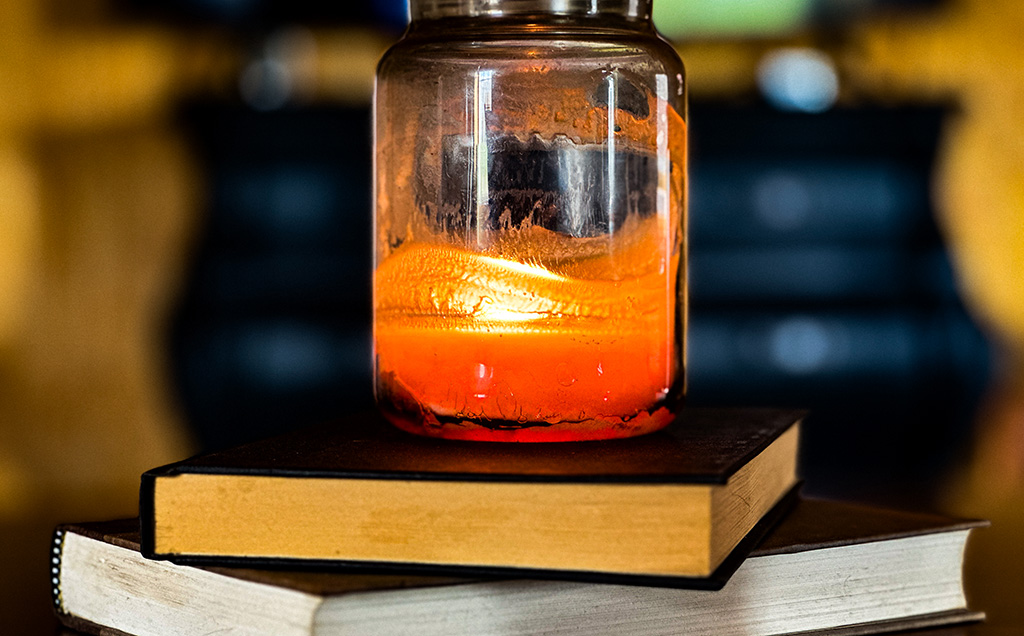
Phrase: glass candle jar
(530, 236)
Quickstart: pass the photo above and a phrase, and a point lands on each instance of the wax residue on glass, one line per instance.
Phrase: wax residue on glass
(555, 312)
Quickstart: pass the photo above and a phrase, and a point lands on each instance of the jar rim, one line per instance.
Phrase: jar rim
(434, 9)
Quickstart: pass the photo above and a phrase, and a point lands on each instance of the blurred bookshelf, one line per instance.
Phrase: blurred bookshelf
(819, 277)
(272, 331)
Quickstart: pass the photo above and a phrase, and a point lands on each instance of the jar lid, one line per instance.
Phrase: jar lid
(432, 9)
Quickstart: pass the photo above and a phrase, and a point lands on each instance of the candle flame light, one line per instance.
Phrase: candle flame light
(577, 349)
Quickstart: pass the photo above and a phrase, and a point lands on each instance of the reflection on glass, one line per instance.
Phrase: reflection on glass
(529, 240)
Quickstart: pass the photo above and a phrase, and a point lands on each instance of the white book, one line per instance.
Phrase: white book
(827, 566)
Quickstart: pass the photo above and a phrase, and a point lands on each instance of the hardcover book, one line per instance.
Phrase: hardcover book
(828, 567)
(680, 507)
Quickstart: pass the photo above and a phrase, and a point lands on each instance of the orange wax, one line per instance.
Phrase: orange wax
(471, 346)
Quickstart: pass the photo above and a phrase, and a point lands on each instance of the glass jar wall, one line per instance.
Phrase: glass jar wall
(530, 245)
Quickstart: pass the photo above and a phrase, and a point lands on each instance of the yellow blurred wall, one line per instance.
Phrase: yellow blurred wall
(971, 51)
(95, 205)
(97, 199)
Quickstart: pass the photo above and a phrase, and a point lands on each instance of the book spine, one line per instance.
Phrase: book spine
(56, 556)
(147, 517)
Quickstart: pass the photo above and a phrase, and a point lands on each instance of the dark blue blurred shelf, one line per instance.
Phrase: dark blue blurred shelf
(272, 332)
(819, 278)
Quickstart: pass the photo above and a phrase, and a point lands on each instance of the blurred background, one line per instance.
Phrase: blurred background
(185, 223)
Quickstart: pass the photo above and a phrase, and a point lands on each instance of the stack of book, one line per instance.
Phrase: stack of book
(356, 528)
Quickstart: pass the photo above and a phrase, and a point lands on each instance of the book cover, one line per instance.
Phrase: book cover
(678, 507)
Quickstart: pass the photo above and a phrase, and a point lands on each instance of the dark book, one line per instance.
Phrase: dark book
(828, 567)
(680, 507)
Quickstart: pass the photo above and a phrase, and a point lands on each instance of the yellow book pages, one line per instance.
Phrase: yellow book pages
(647, 507)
